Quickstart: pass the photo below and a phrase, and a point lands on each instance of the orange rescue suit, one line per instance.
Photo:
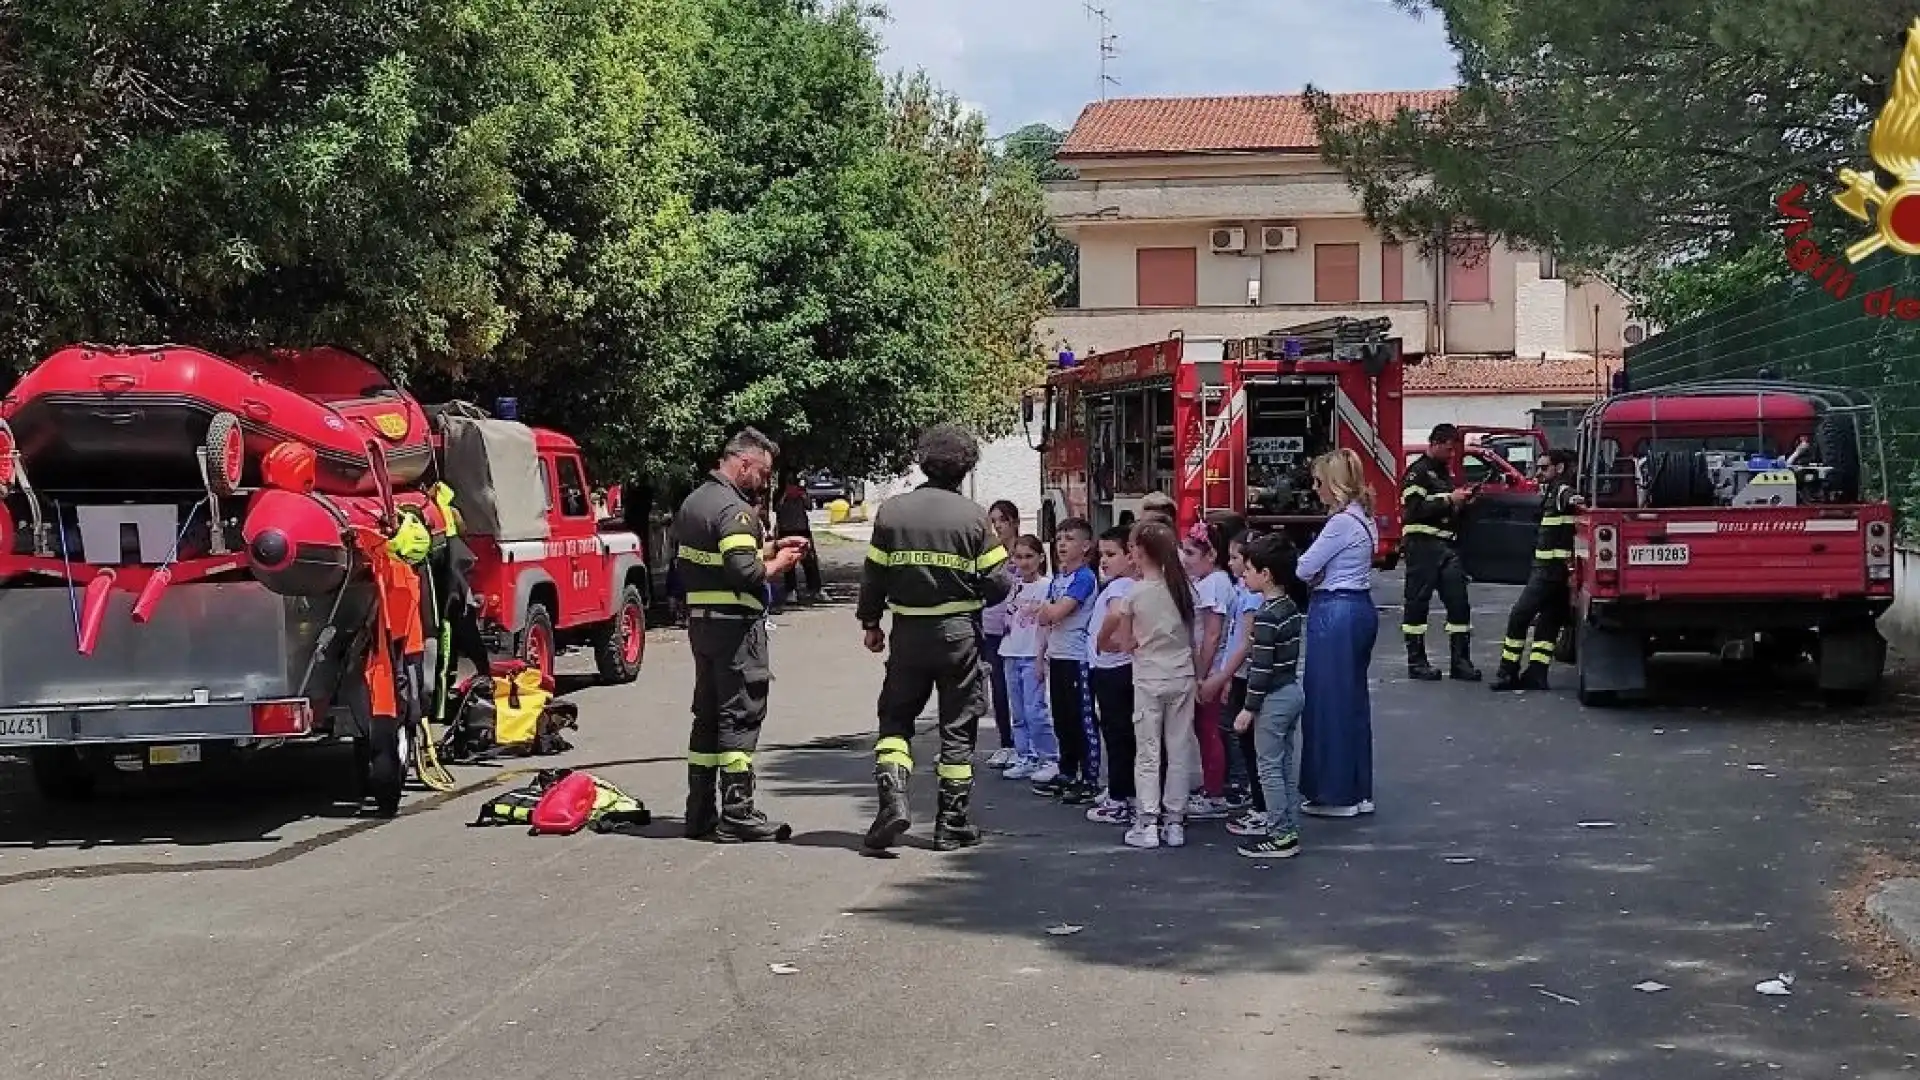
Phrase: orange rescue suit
(397, 629)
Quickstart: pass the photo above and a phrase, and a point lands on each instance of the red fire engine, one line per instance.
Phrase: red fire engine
(1224, 427)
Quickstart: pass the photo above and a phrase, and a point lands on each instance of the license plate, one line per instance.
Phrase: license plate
(30, 726)
(1658, 555)
(184, 754)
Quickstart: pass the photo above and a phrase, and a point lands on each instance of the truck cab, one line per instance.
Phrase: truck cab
(551, 573)
(1732, 518)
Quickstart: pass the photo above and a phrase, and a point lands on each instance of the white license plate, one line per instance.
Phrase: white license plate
(31, 726)
(183, 754)
(1658, 554)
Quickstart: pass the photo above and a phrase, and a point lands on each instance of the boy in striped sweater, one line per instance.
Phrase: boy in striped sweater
(1274, 698)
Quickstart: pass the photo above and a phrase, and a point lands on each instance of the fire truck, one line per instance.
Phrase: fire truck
(1224, 427)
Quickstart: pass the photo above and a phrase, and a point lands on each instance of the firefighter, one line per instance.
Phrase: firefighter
(724, 563)
(1431, 505)
(1543, 603)
(935, 563)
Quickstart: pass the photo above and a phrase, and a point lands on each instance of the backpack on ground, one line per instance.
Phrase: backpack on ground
(511, 712)
(580, 799)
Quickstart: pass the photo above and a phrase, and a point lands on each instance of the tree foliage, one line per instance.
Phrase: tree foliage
(651, 220)
(1636, 138)
(1036, 146)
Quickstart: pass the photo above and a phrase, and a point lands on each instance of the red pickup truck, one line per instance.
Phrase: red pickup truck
(1731, 518)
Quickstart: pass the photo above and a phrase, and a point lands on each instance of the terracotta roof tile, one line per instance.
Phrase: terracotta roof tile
(1511, 375)
(1275, 122)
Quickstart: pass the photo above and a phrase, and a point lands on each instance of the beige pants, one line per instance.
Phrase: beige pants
(1163, 730)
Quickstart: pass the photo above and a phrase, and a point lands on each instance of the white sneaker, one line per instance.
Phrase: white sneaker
(1251, 823)
(1173, 834)
(1046, 773)
(1366, 806)
(1001, 758)
(1319, 810)
(1143, 834)
(1021, 769)
(1110, 811)
(1201, 808)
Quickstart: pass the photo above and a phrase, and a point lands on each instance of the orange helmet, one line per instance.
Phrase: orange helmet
(289, 467)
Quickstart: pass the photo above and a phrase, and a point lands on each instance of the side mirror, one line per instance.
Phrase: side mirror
(1026, 408)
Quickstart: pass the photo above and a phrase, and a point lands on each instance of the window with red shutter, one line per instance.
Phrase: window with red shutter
(1336, 273)
(1167, 277)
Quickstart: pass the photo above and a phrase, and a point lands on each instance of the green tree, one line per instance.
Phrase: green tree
(1639, 139)
(1036, 146)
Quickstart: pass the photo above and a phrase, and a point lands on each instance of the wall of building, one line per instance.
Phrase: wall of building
(1421, 412)
(1008, 469)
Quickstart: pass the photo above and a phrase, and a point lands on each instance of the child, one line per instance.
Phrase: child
(1228, 684)
(1201, 557)
(1069, 606)
(1274, 698)
(1035, 751)
(1155, 623)
(1111, 671)
(1004, 518)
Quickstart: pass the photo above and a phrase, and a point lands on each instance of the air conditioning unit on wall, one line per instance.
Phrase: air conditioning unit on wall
(1635, 331)
(1228, 241)
(1279, 238)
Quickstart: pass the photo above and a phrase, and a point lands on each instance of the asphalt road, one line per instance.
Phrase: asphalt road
(242, 927)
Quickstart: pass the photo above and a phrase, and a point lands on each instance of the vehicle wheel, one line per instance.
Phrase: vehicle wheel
(536, 641)
(1566, 648)
(1839, 449)
(619, 649)
(226, 453)
(60, 774)
(1596, 699)
(1678, 478)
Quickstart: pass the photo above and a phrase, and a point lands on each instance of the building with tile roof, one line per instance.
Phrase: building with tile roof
(1216, 216)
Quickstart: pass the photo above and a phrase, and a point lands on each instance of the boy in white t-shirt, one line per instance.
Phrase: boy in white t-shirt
(1111, 676)
(1022, 649)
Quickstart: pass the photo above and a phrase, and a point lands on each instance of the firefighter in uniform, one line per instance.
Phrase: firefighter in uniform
(724, 563)
(934, 563)
(1430, 505)
(1543, 602)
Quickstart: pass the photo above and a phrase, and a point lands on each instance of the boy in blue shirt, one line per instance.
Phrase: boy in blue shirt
(1069, 688)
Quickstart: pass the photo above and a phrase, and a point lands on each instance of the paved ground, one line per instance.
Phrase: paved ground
(1473, 928)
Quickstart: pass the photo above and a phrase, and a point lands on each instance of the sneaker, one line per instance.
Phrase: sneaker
(1173, 834)
(1079, 794)
(1021, 769)
(1201, 808)
(1251, 823)
(1001, 758)
(1143, 834)
(1320, 810)
(1238, 799)
(1048, 781)
(1365, 807)
(1272, 847)
(1110, 812)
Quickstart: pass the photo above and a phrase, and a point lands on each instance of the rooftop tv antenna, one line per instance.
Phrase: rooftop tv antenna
(1109, 47)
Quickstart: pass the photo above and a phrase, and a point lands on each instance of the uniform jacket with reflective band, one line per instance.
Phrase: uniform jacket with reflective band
(718, 558)
(1554, 542)
(1425, 508)
(932, 554)
(397, 630)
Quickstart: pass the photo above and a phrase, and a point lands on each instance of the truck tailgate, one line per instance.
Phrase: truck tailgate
(1807, 552)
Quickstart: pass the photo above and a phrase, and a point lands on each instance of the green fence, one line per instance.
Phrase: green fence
(1801, 332)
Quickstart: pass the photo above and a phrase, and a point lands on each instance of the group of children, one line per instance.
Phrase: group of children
(1179, 658)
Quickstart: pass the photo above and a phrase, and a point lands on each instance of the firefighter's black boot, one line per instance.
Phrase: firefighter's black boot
(1535, 676)
(1507, 677)
(1417, 666)
(1461, 647)
(740, 822)
(952, 830)
(703, 803)
(892, 821)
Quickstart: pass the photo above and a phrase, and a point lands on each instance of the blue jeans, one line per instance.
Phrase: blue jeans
(1273, 732)
(1027, 708)
(1336, 734)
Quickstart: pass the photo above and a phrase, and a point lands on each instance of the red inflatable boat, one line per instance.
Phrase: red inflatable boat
(101, 418)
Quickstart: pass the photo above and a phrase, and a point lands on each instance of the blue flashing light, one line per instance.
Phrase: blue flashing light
(1067, 359)
(1294, 348)
(507, 408)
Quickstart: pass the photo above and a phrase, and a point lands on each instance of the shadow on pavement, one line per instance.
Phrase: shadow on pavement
(1486, 917)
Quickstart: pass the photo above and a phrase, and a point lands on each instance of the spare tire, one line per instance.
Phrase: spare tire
(1678, 478)
(1839, 446)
